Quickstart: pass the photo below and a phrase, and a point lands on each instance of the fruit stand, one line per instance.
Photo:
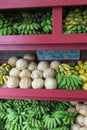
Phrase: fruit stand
(55, 41)
(42, 95)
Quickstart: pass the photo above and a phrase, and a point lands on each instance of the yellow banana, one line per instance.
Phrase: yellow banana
(61, 68)
(66, 66)
(74, 22)
(69, 19)
(70, 26)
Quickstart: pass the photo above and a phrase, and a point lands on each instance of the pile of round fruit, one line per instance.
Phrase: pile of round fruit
(27, 72)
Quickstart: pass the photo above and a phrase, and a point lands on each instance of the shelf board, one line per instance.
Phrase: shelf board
(44, 39)
(27, 39)
(74, 2)
(43, 47)
(44, 42)
(43, 94)
(10, 4)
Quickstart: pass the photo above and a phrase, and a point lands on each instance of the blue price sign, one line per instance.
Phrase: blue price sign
(58, 55)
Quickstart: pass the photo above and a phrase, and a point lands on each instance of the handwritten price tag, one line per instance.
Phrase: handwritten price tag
(58, 55)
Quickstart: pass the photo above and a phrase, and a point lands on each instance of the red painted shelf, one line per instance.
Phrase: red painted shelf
(43, 94)
(54, 41)
(10, 4)
(27, 47)
(44, 39)
(44, 42)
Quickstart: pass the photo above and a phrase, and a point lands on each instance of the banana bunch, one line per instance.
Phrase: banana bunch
(37, 110)
(35, 23)
(29, 23)
(32, 123)
(6, 26)
(4, 105)
(22, 103)
(57, 118)
(75, 21)
(11, 126)
(15, 118)
(4, 72)
(46, 23)
(68, 78)
(64, 117)
(26, 22)
(50, 122)
(28, 28)
(33, 17)
(21, 115)
(62, 105)
(2, 112)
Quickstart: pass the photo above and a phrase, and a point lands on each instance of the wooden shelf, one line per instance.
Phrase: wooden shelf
(43, 94)
(44, 39)
(54, 41)
(12, 4)
(43, 47)
(44, 42)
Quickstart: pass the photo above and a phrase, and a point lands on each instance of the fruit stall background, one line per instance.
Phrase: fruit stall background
(49, 86)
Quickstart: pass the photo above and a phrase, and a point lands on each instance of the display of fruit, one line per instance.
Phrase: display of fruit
(75, 21)
(46, 22)
(26, 22)
(81, 118)
(26, 72)
(81, 68)
(28, 28)
(6, 25)
(29, 24)
(68, 78)
(4, 73)
(58, 118)
(36, 115)
(42, 115)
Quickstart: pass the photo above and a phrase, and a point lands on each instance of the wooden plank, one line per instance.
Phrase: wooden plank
(27, 39)
(28, 47)
(43, 94)
(76, 2)
(57, 20)
(10, 4)
(44, 39)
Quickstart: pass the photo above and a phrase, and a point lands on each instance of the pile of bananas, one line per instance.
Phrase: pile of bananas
(4, 72)
(46, 22)
(57, 119)
(6, 25)
(75, 21)
(35, 115)
(27, 22)
(68, 78)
